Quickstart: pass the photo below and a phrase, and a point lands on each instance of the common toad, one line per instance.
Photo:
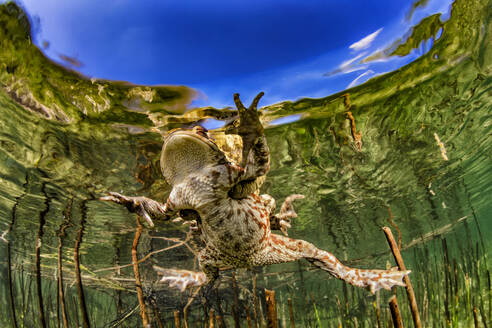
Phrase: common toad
(235, 231)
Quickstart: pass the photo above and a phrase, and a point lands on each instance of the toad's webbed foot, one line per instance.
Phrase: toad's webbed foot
(181, 279)
(282, 220)
(145, 207)
(249, 127)
(386, 279)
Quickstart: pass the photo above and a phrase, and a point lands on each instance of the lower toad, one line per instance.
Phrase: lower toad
(233, 222)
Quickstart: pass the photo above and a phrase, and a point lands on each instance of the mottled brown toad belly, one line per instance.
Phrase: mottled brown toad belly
(238, 231)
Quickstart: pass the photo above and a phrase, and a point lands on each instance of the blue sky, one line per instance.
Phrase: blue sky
(284, 48)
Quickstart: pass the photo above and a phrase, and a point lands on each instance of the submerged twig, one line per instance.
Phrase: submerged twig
(255, 302)
(177, 319)
(394, 225)
(378, 311)
(145, 258)
(441, 147)
(248, 316)
(42, 221)
(211, 317)
(185, 309)
(220, 321)
(78, 280)
(408, 284)
(291, 313)
(356, 135)
(9, 262)
(118, 322)
(61, 234)
(395, 312)
(157, 315)
(475, 317)
(235, 308)
(271, 308)
(138, 283)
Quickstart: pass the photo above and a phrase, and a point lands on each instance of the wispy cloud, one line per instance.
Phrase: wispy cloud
(358, 79)
(348, 63)
(365, 42)
(348, 66)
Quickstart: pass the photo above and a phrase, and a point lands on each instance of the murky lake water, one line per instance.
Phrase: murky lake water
(423, 169)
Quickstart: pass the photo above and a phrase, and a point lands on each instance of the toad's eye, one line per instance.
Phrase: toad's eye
(201, 131)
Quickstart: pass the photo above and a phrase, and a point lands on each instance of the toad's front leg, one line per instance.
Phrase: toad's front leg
(147, 208)
(281, 221)
(256, 154)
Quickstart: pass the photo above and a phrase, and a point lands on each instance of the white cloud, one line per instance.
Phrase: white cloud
(348, 63)
(358, 78)
(365, 42)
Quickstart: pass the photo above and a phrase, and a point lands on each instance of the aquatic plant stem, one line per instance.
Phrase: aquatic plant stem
(447, 283)
(138, 282)
(357, 136)
(157, 315)
(78, 280)
(9, 262)
(177, 319)
(291, 313)
(61, 235)
(248, 316)
(378, 310)
(235, 308)
(146, 257)
(255, 302)
(475, 317)
(185, 309)
(11, 290)
(316, 314)
(220, 321)
(211, 317)
(408, 287)
(271, 309)
(395, 312)
(394, 225)
(42, 221)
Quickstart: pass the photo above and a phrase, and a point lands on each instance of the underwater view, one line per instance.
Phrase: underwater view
(395, 134)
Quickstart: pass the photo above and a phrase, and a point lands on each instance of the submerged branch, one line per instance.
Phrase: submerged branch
(146, 257)
(138, 283)
(42, 221)
(78, 280)
(61, 235)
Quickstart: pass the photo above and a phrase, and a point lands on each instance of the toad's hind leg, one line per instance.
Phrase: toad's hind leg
(181, 279)
(282, 249)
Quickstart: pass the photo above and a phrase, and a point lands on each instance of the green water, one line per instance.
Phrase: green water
(66, 140)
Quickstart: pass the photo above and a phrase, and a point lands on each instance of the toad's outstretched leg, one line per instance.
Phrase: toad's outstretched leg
(282, 249)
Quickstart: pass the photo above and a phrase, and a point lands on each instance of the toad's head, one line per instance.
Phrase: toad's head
(187, 151)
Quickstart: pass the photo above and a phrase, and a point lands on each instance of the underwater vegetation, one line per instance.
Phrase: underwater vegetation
(409, 149)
